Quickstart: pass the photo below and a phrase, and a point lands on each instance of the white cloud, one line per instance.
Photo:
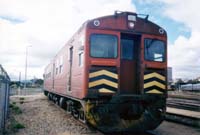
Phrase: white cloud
(47, 25)
(184, 54)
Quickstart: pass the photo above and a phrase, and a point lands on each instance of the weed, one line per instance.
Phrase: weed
(21, 98)
(16, 109)
(18, 125)
(21, 102)
(13, 126)
(11, 105)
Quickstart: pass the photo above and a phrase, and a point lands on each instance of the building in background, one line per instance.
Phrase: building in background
(169, 75)
(198, 79)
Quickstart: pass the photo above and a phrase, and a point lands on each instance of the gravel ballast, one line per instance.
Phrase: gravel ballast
(39, 116)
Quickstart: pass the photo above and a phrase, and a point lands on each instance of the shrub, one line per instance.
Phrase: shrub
(18, 125)
(21, 98)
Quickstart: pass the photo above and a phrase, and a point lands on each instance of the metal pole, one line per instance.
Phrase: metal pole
(26, 68)
(19, 79)
(19, 83)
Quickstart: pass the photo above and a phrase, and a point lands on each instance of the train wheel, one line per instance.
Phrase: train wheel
(45, 93)
(75, 113)
(82, 116)
(69, 107)
(49, 96)
(57, 100)
(62, 103)
(52, 97)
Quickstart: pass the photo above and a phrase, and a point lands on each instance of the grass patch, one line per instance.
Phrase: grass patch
(11, 105)
(18, 125)
(13, 126)
(21, 102)
(15, 109)
(21, 98)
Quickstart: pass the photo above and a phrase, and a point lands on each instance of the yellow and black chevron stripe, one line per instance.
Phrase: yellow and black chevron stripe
(103, 80)
(154, 83)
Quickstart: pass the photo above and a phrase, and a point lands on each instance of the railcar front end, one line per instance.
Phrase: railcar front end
(127, 66)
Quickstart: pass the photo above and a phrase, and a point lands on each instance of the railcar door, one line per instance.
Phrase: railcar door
(129, 73)
(69, 78)
(53, 77)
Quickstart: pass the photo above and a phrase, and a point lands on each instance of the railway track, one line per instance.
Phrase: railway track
(94, 131)
(187, 104)
(184, 109)
(90, 130)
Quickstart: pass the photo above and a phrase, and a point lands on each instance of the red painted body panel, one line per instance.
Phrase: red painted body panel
(115, 25)
(61, 78)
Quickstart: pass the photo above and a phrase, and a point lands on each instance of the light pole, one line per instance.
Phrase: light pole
(19, 80)
(26, 60)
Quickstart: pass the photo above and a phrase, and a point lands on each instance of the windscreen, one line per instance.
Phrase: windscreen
(103, 46)
(154, 50)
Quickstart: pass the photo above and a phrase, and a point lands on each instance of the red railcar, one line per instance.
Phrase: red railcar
(112, 73)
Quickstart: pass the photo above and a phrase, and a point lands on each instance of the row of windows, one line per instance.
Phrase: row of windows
(105, 46)
(80, 57)
(59, 69)
(48, 75)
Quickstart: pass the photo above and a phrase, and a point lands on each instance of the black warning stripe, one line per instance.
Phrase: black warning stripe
(154, 79)
(103, 77)
(154, 87)
(154, 82)
(104, 86)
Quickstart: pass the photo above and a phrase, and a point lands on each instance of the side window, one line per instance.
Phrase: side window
(60, 69)
(127, 49)
(80, 57)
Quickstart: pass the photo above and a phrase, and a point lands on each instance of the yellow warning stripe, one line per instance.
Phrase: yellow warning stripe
(151, 75)
(154, 91)
(103, 72)
(103, 81)
(154, 83)
(104, 90)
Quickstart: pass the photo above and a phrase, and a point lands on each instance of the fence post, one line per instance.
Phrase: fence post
(4, 98)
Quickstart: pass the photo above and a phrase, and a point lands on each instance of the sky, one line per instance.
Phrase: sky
(44, 26)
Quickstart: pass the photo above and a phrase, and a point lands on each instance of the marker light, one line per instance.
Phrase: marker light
(161, 31)
(131, 24)
(96, 22)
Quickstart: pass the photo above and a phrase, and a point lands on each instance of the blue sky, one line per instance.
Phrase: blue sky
(11, 19)
(155, 12)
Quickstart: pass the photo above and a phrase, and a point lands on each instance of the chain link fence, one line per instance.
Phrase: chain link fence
(4, 97)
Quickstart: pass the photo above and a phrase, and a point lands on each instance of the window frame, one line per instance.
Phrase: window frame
(165, 51)
(104, 57)
(80, 61)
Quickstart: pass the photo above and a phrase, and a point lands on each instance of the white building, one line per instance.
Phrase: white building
(169, 75)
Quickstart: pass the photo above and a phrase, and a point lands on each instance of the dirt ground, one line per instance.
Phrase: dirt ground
(38, 116)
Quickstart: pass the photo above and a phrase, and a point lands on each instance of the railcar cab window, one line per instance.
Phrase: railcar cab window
(127, 49)
(154, 50)
(103, 46)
